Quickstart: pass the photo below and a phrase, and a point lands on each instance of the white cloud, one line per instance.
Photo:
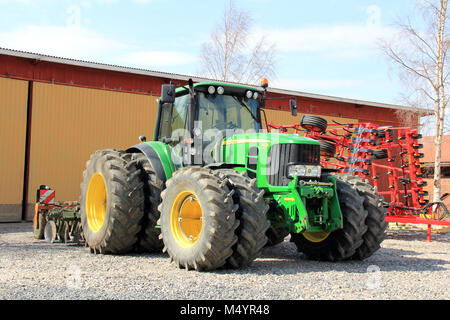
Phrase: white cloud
(337, 40)
(318, 85)
(151, 59)
(64, 41)
(76, 42)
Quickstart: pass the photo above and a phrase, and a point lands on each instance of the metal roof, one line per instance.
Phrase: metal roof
(175, 76)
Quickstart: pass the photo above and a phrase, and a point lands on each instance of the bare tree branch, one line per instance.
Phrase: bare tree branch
(228, 55)
(421, 56)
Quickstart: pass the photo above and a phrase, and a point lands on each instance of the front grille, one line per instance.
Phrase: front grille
(280, 155)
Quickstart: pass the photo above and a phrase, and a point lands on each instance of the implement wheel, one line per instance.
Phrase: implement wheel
(327, 148)
(314, 123)
(343, 243)
(112, 202)
(198, 219)
(50, 231)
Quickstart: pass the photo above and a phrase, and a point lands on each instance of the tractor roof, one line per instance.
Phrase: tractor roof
(230, 88)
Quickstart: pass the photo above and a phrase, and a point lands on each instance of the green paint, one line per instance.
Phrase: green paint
(164, 153)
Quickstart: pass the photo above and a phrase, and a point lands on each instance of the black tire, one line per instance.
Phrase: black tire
(251, 214)
(381, 133)
(276, 233)
(149, 236)
(39, 223)
(380, 154)
(314, 123)
(343, 243)
(376, 217)
(327, 148)
(276, 236)
(212, 246)
(124, 207)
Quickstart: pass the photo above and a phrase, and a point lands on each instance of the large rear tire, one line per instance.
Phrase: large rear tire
(251, 215)
(198, 219)
(112, 202)
(376, 218)
(343, 243)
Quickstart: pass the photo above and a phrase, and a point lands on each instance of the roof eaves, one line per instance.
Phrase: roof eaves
(175, 76)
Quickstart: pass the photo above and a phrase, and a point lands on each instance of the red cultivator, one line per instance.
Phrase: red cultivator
(388, 157)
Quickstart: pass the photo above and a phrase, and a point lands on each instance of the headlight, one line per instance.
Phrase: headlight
(301, 170)
(256, 95)
(249, 94)
(211, 90)
(220, 90)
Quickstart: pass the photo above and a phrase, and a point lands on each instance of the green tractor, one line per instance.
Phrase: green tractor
(213, 189)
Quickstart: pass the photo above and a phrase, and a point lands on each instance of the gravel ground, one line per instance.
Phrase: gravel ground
(406, 267)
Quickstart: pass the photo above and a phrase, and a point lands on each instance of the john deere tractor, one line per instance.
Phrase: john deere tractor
(213, 189)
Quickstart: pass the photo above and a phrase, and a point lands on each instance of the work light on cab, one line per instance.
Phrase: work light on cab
(211, 90)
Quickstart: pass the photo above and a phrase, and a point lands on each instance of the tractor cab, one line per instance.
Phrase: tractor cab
(195, 119)
(207, 106)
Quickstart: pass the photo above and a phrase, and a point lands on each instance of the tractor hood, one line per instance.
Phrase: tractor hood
(267, 139)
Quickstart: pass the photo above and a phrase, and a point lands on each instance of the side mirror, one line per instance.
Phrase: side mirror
(293, 105)
(168, 93)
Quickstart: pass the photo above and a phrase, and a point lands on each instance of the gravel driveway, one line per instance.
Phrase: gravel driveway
(406, 267)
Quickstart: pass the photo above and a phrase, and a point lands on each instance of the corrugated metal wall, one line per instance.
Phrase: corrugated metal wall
(13, 119)
(70, 123)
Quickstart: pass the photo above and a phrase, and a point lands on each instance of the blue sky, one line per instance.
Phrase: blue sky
(324, 47)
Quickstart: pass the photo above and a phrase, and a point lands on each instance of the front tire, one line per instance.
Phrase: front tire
(253, 223)
(198, 219)
(376, 218)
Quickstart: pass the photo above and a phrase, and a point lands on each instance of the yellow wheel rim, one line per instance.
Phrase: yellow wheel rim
(186, 219)
(316, 236)
(96, 202)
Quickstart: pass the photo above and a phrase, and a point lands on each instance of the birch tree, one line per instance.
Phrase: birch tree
(231, 54)
(420, 55)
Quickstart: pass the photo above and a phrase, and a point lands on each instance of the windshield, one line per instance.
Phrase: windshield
(228, 112)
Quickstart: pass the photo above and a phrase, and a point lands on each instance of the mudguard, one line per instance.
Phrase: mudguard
(159, 156)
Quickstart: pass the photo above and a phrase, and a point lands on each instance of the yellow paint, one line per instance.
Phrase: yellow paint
(71, 123)
(289, 199)
(186, 219)
(316, 237)
(13, 121)
(96, 205)
(232, 142)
